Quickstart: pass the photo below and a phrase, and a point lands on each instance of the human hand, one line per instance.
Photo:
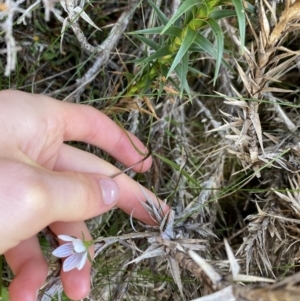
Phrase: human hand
(44, 182)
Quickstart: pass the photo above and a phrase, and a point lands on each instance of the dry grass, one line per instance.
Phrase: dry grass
(227, 160)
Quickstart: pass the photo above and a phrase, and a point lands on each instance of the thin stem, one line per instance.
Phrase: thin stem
(135, 164)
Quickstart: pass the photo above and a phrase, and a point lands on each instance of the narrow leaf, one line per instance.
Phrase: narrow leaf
(218, 14)
(186, 43)
(152, 251)
(280, 69)
(239, 8)
(204, 44)
(181, 71)
(213, 275)
(197, 72)
(161, 16)
(278, 90)
(177, 167)
(244, 78)
(234, 265)
(173, 31)
(220, 45)
(184, 64)
(257, 126)
(201, 44)
(156, 55)
(264, 24)
(184, 7)
(148, 42)
(175, 271)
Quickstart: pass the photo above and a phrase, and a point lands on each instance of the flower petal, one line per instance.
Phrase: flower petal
(66, 237)
(74, 261)
(64, 250)
(78, 245)
(82, 262)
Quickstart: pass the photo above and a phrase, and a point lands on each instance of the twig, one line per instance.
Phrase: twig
(104, 50)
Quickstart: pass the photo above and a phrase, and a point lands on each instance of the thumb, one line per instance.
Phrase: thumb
(33, 197)
(79, 196)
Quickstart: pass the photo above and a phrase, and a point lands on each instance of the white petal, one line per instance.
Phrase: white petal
(64, 250)
(81, 264)
(78, 245)
(73, 262)
(66, 237)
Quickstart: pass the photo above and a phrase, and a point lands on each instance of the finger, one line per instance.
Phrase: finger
(47, 118)
(131, 194)
(76, 283)
(85, 123)
(74, 159)
(30, 268)
(45, 196)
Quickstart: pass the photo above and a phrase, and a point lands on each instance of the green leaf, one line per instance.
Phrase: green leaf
(184, 7)
(181, 71)
(220, 44)
(197, 72)
(204, 44)
(148, 42)
(163, 72)
(240, 12)
(184, 48)
(174, 83)
(185, 66)
(172, 31)
(147, 82)
(201, 44)
(161, 16)
(177, 167)
(249, 7)
(156, 55)
(218, 14)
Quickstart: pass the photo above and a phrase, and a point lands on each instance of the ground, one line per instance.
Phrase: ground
(215, 95)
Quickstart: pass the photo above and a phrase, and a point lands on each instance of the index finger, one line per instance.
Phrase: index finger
(86, 124)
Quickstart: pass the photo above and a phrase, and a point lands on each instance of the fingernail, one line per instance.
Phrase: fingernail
(110, 191)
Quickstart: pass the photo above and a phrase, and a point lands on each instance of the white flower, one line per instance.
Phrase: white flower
(75, 250)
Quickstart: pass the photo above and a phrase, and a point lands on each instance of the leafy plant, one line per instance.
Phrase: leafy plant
(179, 38)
